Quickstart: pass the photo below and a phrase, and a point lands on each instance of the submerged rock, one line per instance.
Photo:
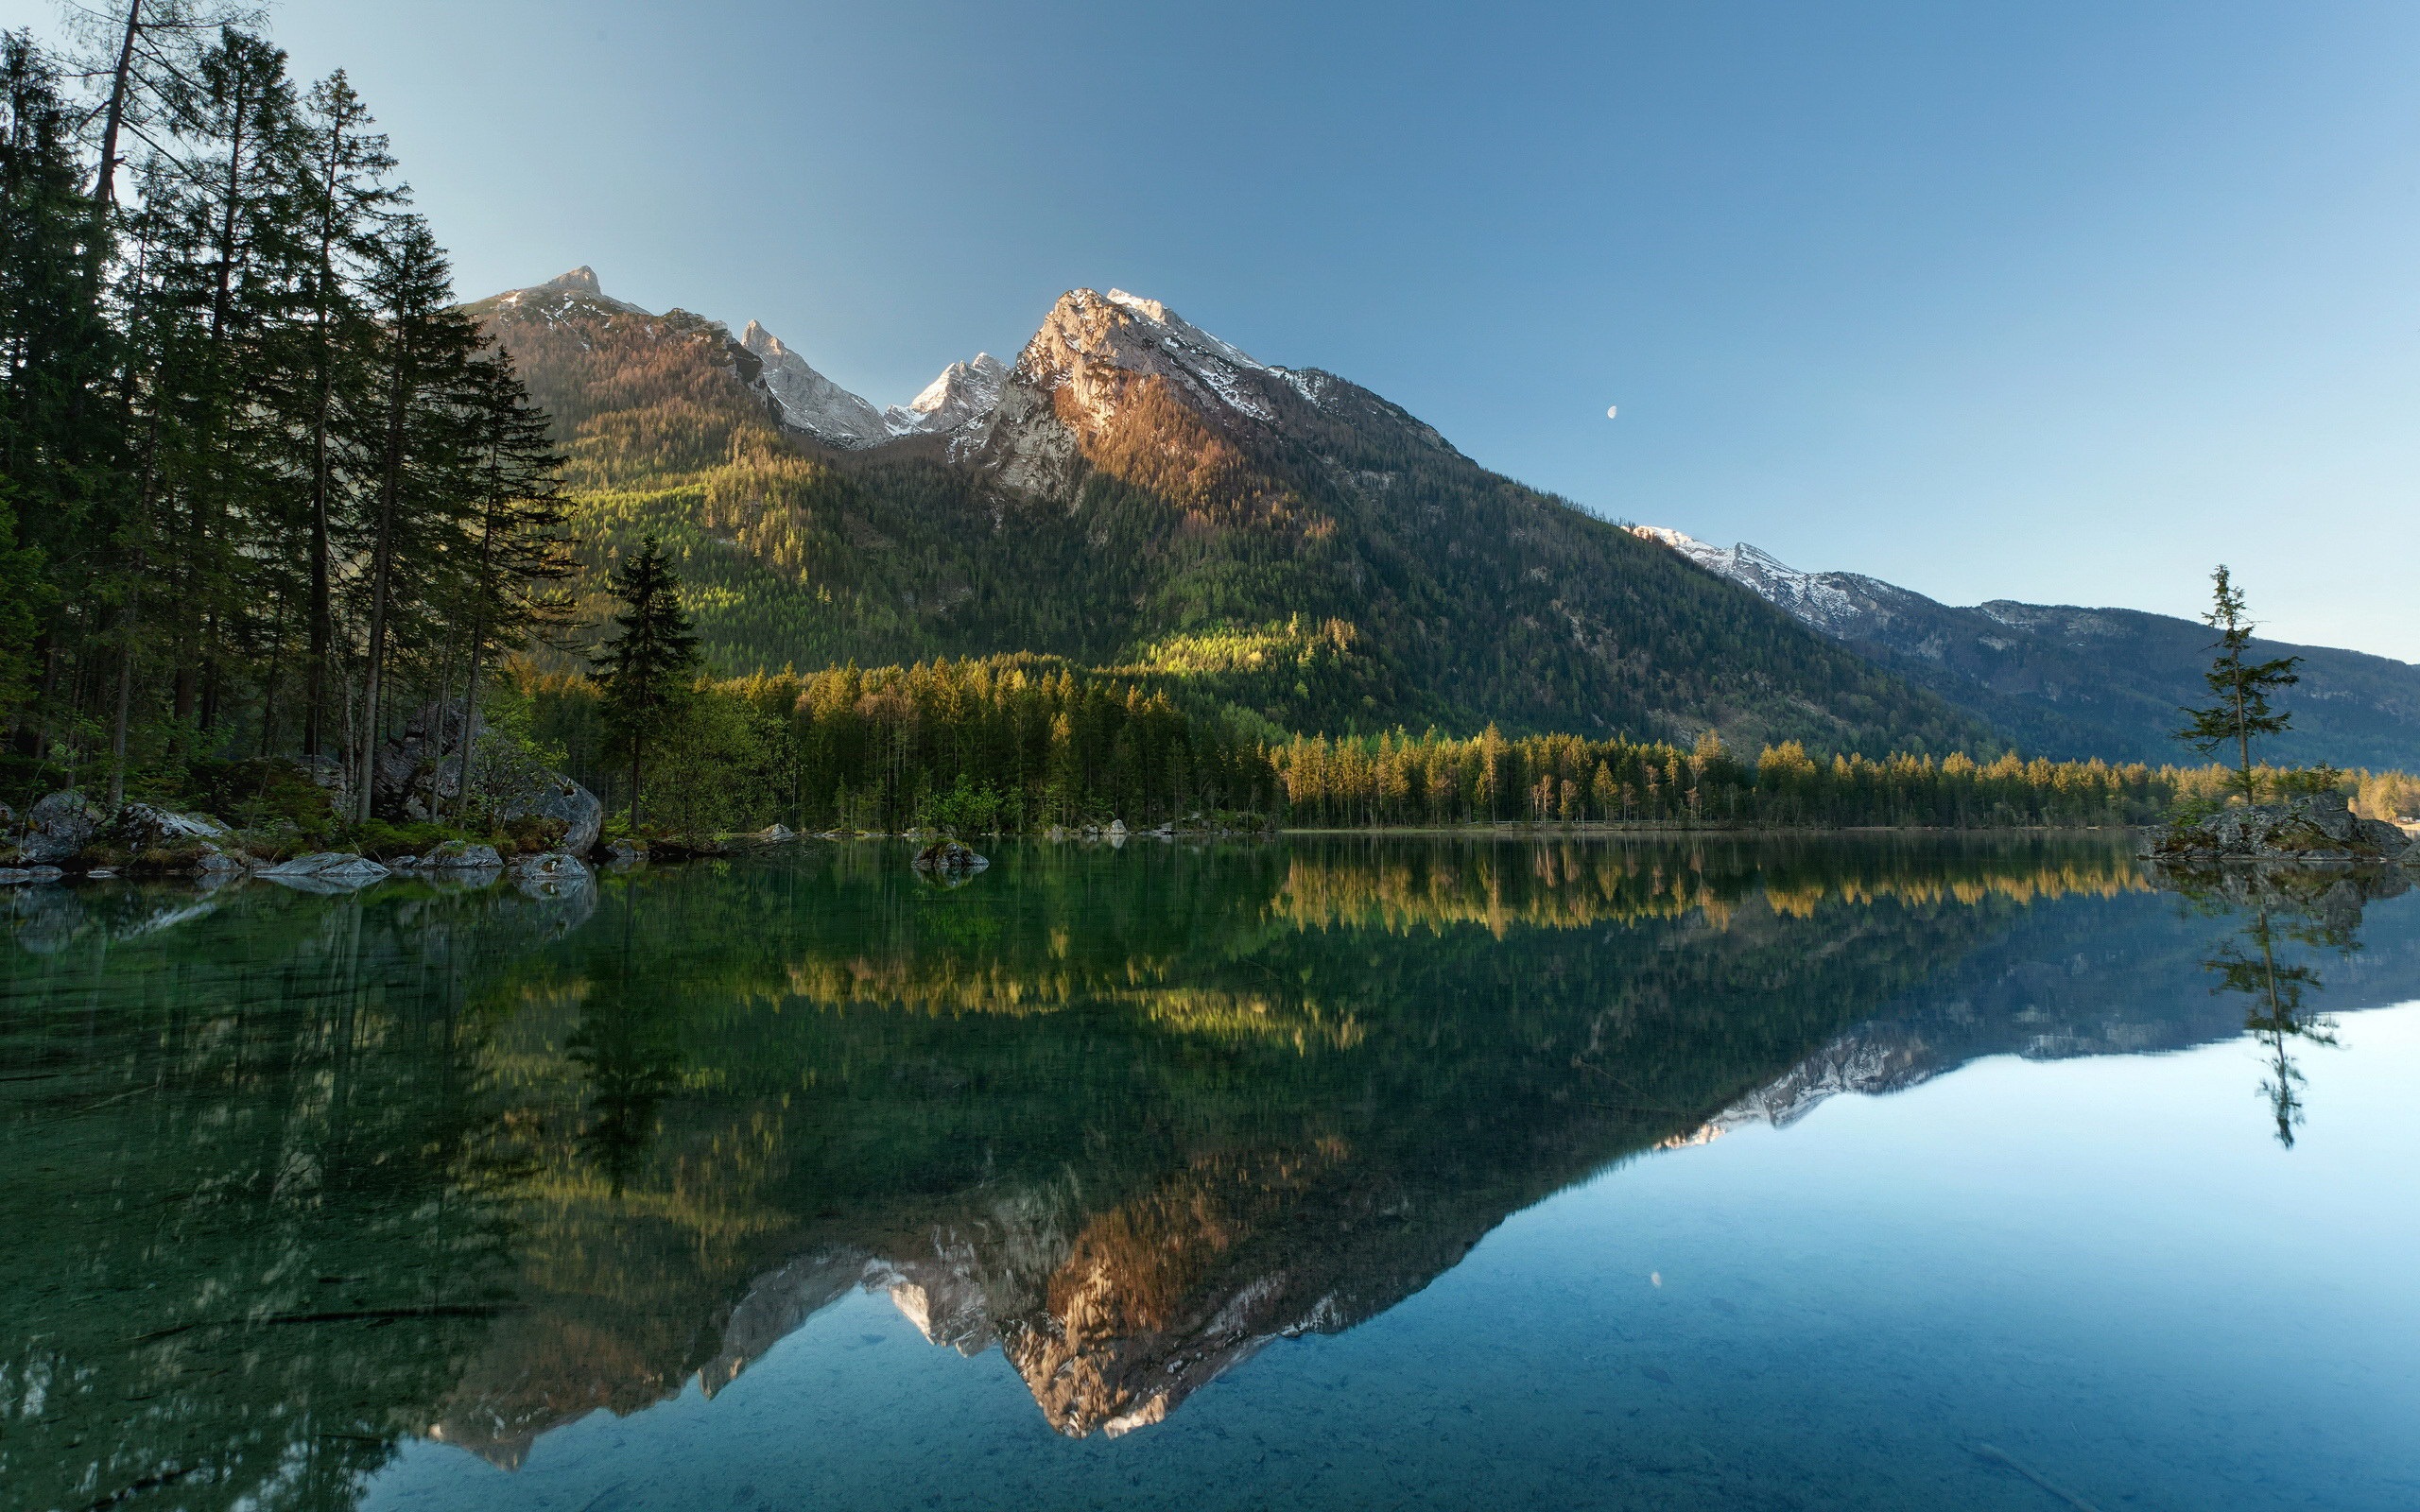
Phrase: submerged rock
(950, 857)
(555, 874)
(327, 871)
(551, 865)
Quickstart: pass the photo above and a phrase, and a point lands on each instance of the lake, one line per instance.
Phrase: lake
(1866, 1172)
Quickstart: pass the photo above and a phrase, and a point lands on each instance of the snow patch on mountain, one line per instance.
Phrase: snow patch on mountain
(560, 294)
(963, 396)
(805, 400)
(1846, 605)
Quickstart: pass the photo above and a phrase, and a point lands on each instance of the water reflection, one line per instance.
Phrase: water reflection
(302, 1176)
(2282, 911)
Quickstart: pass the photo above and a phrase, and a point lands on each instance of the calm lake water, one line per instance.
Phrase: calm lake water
(1859, 1173)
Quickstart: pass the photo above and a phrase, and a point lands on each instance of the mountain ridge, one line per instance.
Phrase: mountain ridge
(1140, 493)
(2066, 680)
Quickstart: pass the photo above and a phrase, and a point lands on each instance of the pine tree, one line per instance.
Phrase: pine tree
(2241, 688)
(343, 195)
(429, 477)
(648, 663)
(522, 555)
(55, 355)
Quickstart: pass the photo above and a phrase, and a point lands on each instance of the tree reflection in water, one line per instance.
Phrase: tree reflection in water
(2313, 909)
(1126, 1118)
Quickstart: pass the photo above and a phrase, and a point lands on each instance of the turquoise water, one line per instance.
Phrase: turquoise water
(1327, 1174)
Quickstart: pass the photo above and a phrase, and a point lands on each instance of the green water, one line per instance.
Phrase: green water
(1322, 1174)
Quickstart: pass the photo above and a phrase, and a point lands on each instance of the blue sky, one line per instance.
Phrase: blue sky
(2052, 301)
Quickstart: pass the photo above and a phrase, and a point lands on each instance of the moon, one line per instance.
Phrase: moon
(1611, 411)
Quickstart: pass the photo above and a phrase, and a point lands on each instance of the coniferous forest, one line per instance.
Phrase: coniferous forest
(270, 492)
(266, 484)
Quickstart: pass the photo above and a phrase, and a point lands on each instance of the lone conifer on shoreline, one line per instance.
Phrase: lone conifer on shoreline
(648, 665)
(2240, 689)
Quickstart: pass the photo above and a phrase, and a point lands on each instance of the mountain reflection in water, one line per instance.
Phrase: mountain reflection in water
(294, 1177)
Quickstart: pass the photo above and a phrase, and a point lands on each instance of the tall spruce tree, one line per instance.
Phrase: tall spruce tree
(649, 662)
(57, 442)
(245, 444)
(2239, 712)
(343, 198)
(522, 557)
(428, 475)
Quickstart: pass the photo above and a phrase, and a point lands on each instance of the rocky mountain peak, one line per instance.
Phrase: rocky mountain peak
(1089, 336)
(565, 294)
(966, 392)
(805, 399)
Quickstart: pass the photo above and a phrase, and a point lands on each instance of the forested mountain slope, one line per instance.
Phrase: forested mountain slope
(2071, 682)
(1142, 495)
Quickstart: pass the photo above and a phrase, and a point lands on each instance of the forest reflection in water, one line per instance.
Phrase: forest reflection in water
(294, 1178)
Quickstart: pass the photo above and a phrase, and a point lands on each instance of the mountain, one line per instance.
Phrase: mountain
(1135, 492)
(2064, 681)
(805, 399)
(966, 392)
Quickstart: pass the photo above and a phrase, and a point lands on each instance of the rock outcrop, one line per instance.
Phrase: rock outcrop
(419, 771)
(2319, 827)
(550, 795)
(58, 827)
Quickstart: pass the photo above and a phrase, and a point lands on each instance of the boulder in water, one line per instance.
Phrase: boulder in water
(459, 855)
(948, 857)
(327, 871)
(553, 797)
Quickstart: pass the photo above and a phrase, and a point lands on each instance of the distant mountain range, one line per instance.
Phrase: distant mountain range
(2067, 681)
(1135, 492)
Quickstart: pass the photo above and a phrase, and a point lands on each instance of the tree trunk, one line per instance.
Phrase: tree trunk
(112, 119)
(478, 645)
(322, 633)
(222, 294)
(382, 571)
(125, 702)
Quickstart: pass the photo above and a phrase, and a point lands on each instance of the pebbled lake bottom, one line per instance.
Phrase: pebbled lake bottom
(1857, 1173)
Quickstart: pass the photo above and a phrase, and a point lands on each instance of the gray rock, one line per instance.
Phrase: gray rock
(412, 774)
(456, 855)
(213, 861)
(555, 874)
(18, 876)
(331, 778)
(948, 857)
(551, 865)
(2318, 827)
(140, 827)
(559, 798)
(58, 827)
(327, 871)
(626, 852)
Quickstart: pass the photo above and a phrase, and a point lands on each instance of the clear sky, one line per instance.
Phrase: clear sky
(2050, 300)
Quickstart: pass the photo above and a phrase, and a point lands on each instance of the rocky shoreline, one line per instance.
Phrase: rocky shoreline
(2317, 829)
